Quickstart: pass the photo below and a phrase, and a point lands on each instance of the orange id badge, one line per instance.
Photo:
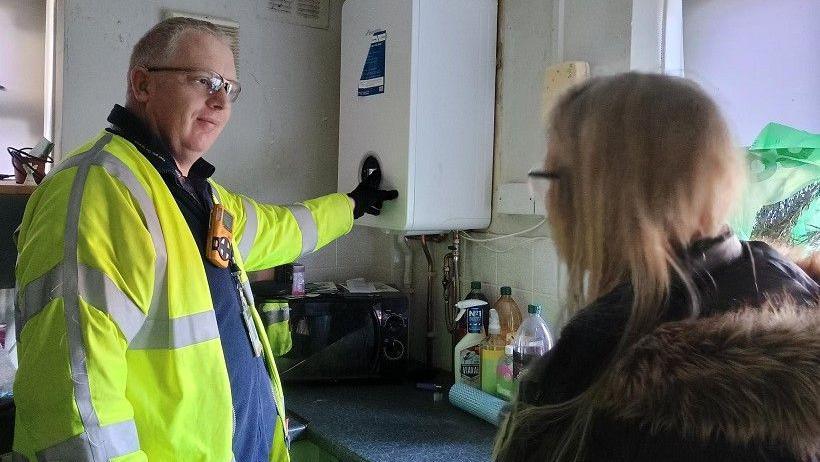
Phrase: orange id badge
(220, 230)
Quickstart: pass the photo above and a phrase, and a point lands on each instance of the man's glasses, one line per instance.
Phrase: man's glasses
(211, 81)
(543, 174)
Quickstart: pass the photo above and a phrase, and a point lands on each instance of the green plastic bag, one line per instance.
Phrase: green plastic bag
(782, 200)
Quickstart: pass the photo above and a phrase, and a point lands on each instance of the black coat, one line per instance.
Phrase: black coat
(739, 383)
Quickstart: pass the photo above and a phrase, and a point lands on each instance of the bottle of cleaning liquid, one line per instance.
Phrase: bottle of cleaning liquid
(492, 351)
(461, 315)
(532, 340)
(505, 386)
(467, 353)
(461, 324)
(509, 314)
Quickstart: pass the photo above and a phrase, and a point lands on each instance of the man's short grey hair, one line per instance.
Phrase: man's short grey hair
(158, 45)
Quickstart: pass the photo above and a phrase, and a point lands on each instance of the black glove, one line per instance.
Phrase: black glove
(369, 198)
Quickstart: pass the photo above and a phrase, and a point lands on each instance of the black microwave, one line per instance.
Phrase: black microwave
(345, 336)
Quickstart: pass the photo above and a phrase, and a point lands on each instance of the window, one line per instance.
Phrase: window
(22, 75)
(758, 59)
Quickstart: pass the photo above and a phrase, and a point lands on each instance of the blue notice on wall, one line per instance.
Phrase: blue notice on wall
(372, 80)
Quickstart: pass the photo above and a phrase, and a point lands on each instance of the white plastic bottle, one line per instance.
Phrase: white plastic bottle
(532, 340)
(467, 353)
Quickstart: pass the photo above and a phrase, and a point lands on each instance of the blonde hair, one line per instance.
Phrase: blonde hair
(646, 166)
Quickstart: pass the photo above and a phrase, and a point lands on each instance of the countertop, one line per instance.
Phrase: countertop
(395, 423)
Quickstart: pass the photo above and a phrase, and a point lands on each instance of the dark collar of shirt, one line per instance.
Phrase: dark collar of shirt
(129, 126)
(192, 193)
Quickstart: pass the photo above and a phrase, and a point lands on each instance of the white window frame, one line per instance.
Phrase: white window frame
(53, 79)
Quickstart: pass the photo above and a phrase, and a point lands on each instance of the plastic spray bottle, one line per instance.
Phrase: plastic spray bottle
(467, 353)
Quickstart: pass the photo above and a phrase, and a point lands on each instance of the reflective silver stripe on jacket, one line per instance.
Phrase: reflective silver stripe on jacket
(35, 295)
(97, 289)
(38, 293)
(154, 331)
(158, 330)
(251, 226)
(272, 317)
(161, 333)
(83, 450)
(310, 232)
(119, 439)
(94, 286)
(116, 168)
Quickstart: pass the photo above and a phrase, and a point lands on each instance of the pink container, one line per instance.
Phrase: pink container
(298, 288)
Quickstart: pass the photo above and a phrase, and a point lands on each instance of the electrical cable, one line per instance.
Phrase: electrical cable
(504, 236)
(514, 246)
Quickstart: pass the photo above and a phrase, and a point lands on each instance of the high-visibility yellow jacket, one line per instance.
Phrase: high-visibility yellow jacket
(119, 352)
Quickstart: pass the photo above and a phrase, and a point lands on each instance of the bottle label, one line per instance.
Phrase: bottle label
(474, 319)
(471, 366)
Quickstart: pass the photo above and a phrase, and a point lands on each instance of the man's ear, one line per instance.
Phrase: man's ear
(139, 77)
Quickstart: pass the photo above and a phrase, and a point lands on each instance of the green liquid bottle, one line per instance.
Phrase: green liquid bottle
(492, 352)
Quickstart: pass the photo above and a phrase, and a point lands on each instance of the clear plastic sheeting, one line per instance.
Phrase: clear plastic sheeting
(782, 201)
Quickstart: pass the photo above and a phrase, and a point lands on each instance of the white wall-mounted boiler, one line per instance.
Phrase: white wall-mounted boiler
(417, 93)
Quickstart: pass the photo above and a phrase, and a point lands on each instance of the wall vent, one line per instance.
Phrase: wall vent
(230, 28)
(310, 13)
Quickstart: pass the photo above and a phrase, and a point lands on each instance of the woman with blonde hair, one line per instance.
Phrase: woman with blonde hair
(691, 345)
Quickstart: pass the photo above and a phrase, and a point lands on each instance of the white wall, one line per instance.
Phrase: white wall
(281, 144)
(535, 35)
(760, 59)
(598, 31)
(22, 61)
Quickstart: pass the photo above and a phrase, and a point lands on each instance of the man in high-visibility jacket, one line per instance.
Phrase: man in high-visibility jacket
(137, 334)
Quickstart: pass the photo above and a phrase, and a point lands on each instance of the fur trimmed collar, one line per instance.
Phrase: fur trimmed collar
(750, 376)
